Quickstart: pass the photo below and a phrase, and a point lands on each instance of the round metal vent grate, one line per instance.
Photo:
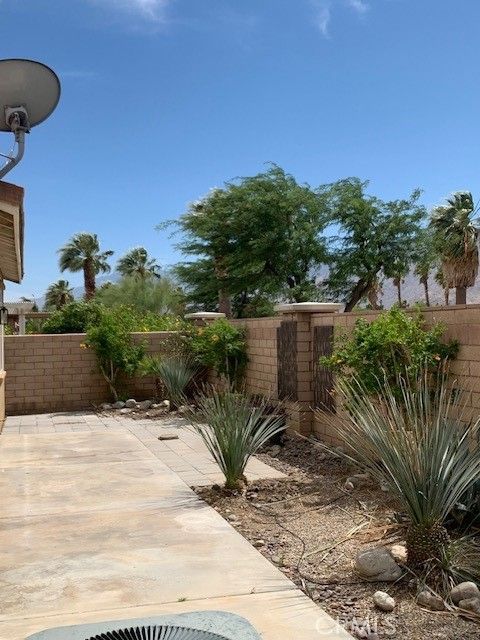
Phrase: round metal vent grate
(157, 633)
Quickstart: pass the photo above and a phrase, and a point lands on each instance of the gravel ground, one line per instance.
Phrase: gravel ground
(312, 528)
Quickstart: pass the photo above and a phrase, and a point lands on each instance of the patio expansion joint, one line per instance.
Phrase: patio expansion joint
(160, 603)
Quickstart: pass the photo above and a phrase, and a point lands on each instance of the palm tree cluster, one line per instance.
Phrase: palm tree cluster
(82, 253)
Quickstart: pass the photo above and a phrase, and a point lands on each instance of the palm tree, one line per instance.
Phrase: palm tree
(456, 236)
(58, 295)
(440, 280)
(425, 261)
(82, 253)
(137, 263)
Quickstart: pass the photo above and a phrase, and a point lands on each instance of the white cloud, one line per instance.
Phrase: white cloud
(322, 16)
(324, 9)
(149, 9)
(360, 6)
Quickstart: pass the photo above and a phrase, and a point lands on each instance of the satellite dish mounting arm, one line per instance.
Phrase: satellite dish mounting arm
(17, 119)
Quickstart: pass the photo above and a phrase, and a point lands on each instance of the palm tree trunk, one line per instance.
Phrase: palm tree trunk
(427, 294)
(89, 279)
(461, 295)
(399, 292)
(224, 303)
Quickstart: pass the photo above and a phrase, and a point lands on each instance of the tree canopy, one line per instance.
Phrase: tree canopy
(257, 235)
(370, 237)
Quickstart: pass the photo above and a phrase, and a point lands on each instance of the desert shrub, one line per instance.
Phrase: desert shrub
(419, 443)
(160, 296)
(222, 347)
(175, 373)
(74, 317)
(394, 342)
(233, 430)
(117, 356)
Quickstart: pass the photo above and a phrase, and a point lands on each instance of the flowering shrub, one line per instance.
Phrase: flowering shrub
(394, 342)
(221, 347)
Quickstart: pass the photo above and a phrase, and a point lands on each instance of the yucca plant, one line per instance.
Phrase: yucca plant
(233, 430)
(175, 373)
(422, 444)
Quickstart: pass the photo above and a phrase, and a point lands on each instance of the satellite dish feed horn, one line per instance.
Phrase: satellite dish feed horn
(29, 93)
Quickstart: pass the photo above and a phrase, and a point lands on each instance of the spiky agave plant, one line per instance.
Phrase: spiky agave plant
(174, 372)
(422, 443)
(233, 430)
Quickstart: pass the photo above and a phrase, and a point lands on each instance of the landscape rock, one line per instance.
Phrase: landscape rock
(126, 410)
(275, 450)
(131, 403)
(259, 543)
(430, 601)
(168, 436)
(383, 601)
(399, 553)
(145, 405)
(464, 591)
(358, 480)
(377, 565)
(106, 406)
(118, 405)
(470, 604)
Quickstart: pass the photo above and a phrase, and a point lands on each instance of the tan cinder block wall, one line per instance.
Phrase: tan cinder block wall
(461, 323)
(261, 373)
(47, 373)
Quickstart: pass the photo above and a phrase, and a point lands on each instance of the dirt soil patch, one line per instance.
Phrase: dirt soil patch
(311, 527)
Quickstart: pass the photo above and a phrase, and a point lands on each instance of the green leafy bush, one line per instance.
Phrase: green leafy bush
(222, 347)
(393, 342)
(74, 317)
(111, 340)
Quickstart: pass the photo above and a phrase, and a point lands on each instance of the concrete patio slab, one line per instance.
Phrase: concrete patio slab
(283, 615)
(85, 538)
(49, 449)
(187, 455)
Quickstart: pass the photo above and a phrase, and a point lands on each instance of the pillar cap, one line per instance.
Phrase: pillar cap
(309, 307)
(204, 315)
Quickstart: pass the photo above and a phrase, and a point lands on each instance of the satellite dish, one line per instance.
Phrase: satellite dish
(29, 93)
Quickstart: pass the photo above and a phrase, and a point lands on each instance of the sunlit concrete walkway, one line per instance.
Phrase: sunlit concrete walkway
(186, 455)
(95, 527)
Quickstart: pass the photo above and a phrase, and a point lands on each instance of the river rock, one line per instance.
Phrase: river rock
(430, 601)
(131, 403)
(470, 604)
(464, 591)
(399, 553)
(377, 565)
(383, 601)
(145, 405)
(118, 405)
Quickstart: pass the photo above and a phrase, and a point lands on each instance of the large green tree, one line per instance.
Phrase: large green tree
(257, 236)
(425, 261)
(456, 238)
(82, 253)
(58, 295)
(159, 295)
(139, 264)
(371, 238)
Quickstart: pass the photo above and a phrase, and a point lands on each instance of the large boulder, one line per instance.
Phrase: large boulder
(464, 591)
(377, 565)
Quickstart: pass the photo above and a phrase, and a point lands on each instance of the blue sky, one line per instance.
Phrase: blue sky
(164, 99)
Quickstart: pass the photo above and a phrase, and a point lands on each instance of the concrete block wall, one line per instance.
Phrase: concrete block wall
(261, 372)
(47, 373)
